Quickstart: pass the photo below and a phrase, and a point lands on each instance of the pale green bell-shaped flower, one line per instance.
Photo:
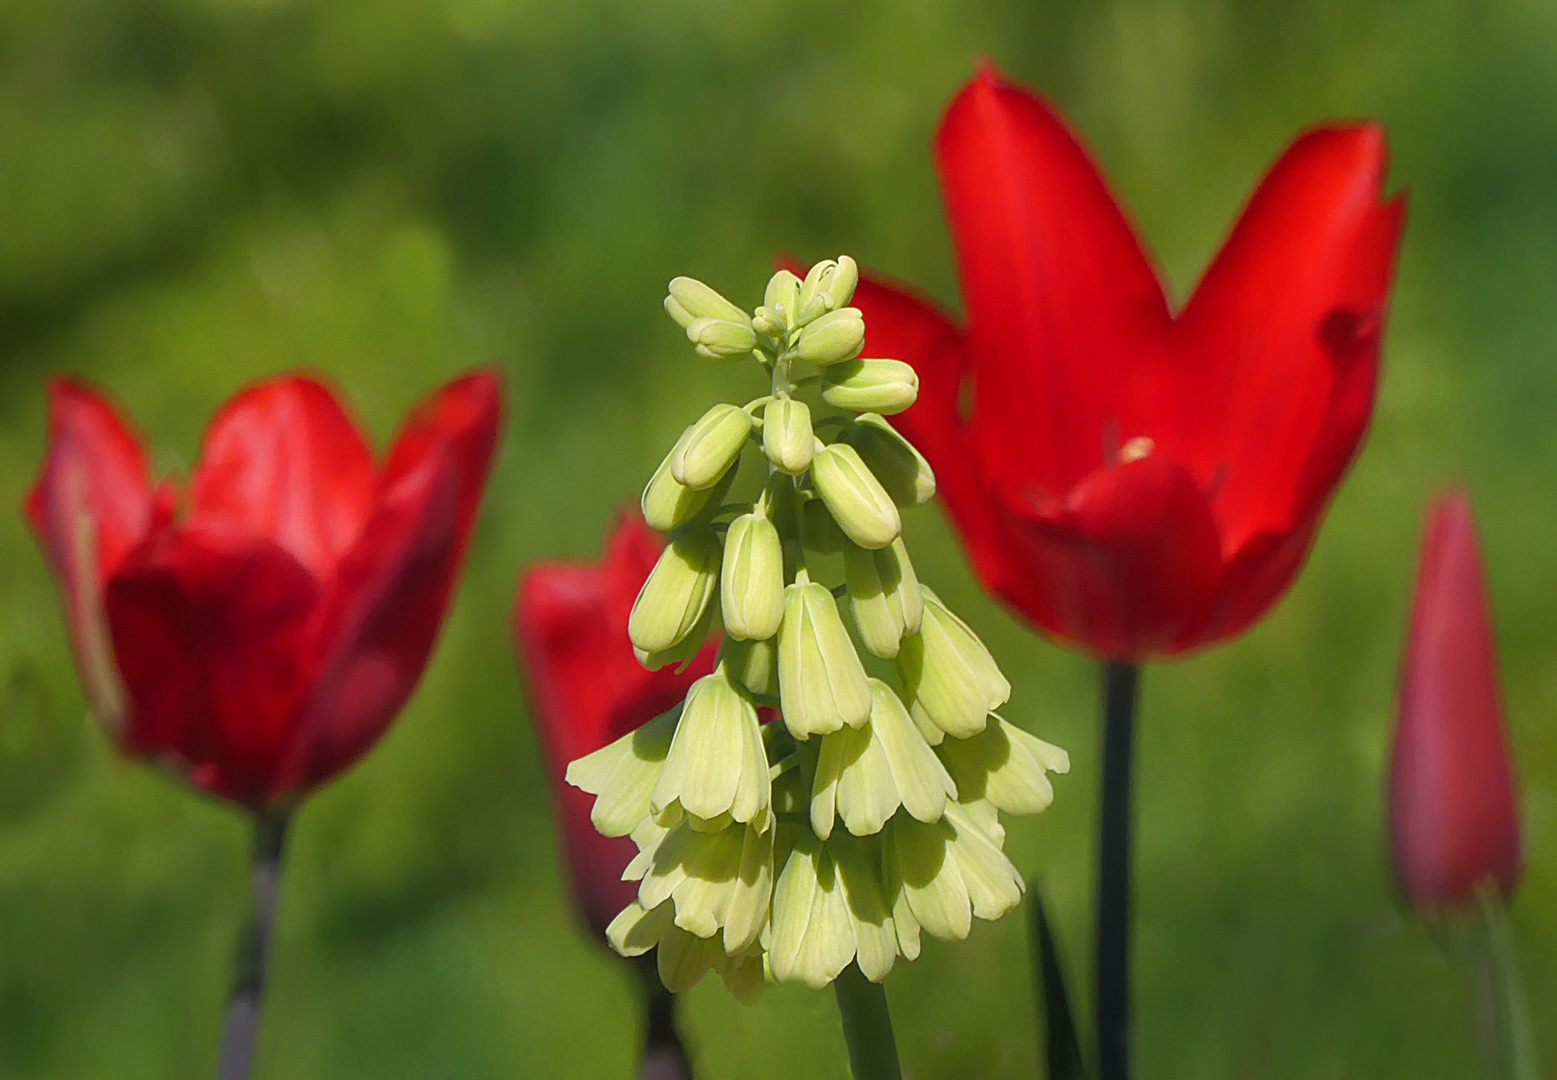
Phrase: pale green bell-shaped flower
(751, 585)
(822, 684)
(949, 673)
(863, 775)
(876, 386)
(832, 338)
(1005, 766)
(690, 300)
(667, 502)
(622, 775)
(818, 531)
(884, 596)
(719, 882)
(683, 958)
(892, 459)
(787, 437)
(717, 767)
(676, 595)
(753, 663)
(946, 873)
(855, 498)
(812, 937)
(722, 339)
(708, 448)
(857, 862)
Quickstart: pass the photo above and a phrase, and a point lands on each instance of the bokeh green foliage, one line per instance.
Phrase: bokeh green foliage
(197, 192)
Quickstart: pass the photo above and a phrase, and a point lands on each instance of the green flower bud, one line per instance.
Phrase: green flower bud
(621, 775)
(834, 337)
(947, 670)
(787, 438)
(1004, 766)
(768, 322)
(863, 775)
(782, 298)
(822, 684)
(855, 498)
(708, 448)
(717, 767)
(902, 470)
(667, 502)
(838, 286)
(751, 585)
(753, 664)
(676, 594)
(884, 596)
(818, 531)
(722, 339)
(879, 386)
(690, 300)
(812, 935)
(811, 302)
(682, 653)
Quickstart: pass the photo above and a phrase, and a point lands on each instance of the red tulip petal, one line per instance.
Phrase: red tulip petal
(1060, 297)
(587, 690)
(1454, 821)
(90, 504)
(208, 629)
(1254, 335)
(282, 460)
(379, 617)
(1130, 562)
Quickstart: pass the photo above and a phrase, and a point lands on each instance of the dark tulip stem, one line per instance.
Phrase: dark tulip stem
(1113, 895)
(664, 1056)
(248, 987)
(867, 1026)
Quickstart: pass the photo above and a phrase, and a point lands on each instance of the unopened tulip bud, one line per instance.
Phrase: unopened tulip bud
(811, 302)
(787, 437)
(710, 446)
(722, 339)
(878, 386)
(818, 531)
(859, 504)
(884, 596)
(751, 586)
(690, 300)
(947, 670)
(754, 664)
(717, 766)
(832, 338)
(782, 298)
(677, 593)
(822, 684)
(892, 459)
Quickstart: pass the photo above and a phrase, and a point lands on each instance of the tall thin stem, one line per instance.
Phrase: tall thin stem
(1113, 896)
(1515, 1034)
(867, 1026)
(664, 1056)
(248, 987)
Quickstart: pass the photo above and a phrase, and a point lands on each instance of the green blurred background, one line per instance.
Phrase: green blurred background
(197, 192)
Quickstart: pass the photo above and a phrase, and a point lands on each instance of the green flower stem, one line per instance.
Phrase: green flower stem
(867, 1026)
(1516, 1053)
(248, 989)
(1112, 988)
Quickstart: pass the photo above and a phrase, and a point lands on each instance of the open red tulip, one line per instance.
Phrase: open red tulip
(587, 689)
(260, 641)
(1453, 815)
(1137, 481)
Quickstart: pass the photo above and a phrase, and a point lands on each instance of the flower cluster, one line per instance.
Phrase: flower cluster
(790, 849)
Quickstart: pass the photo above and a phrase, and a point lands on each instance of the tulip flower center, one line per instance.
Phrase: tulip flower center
(1135, 449)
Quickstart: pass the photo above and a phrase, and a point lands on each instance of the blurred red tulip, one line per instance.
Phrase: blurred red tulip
(1139, 482)
(1453, 817)
(587, 689)
(262, 640)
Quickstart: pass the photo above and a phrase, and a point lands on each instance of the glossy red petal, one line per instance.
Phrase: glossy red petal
(209, 632)
(587, 689)
(1256, 338)
(90, 504)
(1060, 297)
(380, 615)
(1453, 813)
(283, 461)
(1129, 563)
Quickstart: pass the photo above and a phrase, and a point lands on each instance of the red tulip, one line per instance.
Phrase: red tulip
(261, 640)
(1137, 481)
(1453, 817)
(587, 689)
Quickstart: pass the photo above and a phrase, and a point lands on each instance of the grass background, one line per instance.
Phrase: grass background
(197, 192)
